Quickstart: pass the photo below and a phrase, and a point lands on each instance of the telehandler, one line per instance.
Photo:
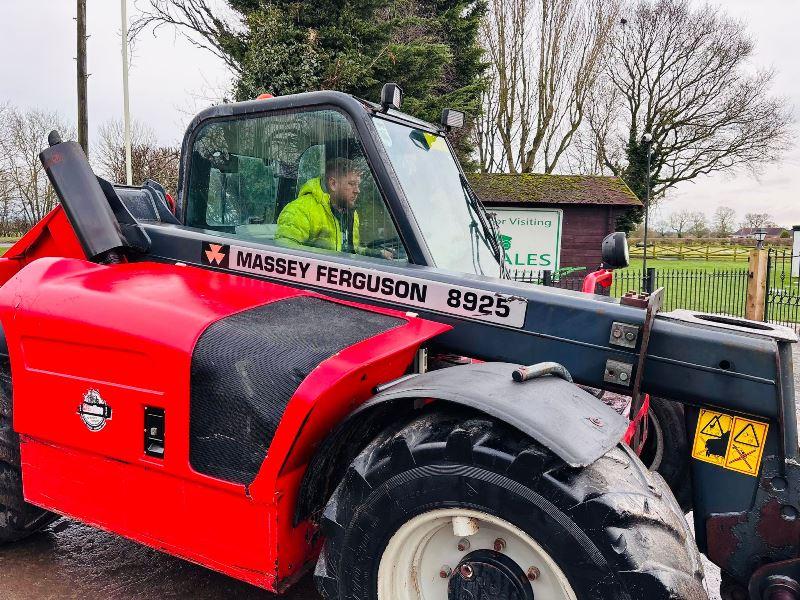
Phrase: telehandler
(397, 415)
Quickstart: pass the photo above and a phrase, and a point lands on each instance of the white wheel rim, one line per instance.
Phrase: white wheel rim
(413, 559)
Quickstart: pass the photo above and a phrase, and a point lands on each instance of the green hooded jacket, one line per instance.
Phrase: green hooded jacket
(309, 220)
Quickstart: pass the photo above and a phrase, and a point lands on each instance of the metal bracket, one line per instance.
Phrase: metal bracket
(618, 373)
(654, 302)
(624, 335)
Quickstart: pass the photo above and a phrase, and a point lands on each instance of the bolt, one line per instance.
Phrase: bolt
(466, 571)
(499, 545)
(534, 574)
(617, 333)
(623, 376)
(445, 571)
(596, 421)
(630, 336)
(463, 545)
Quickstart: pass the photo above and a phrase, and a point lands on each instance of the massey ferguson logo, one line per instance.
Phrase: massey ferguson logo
(94, 411)
(215, 255)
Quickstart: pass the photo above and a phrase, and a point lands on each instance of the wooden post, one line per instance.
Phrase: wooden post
(756, 285)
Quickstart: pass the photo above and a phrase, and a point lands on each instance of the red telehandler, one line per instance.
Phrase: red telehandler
(279, 375)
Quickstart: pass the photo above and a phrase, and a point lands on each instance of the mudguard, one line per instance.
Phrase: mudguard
(572, 423)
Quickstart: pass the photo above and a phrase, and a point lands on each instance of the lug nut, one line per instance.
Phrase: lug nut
(534, 574)
(499, 545)
(463, 545)
(466, 571)
(445, 572)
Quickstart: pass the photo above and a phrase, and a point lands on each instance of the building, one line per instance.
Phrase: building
(589, 205)
(771, 232)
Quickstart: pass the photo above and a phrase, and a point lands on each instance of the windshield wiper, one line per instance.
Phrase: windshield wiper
(488, 223)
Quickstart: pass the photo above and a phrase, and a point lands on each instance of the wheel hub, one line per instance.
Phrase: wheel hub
(488, 575)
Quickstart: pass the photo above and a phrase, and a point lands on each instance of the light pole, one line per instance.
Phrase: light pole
(125, 98)
(647, 142)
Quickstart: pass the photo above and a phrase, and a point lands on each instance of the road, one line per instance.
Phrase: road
(70, 560)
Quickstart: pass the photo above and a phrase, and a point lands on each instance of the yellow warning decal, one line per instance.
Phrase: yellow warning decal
(730, 442)
(746, 446)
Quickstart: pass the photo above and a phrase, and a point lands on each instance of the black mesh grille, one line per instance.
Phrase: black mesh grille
(246, 367)
(139, 203)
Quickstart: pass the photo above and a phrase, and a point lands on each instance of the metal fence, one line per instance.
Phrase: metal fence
(713, 291)
(782, 301)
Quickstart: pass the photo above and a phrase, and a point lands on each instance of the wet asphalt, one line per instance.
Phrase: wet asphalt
(70, 560)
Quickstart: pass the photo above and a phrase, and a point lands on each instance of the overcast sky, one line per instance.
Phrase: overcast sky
(170, 80)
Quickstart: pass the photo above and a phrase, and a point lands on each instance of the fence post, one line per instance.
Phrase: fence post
(650, 280)
(756, 285)
(547, 278)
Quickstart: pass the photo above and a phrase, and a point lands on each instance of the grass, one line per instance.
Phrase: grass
(707, 286)
(694, 265)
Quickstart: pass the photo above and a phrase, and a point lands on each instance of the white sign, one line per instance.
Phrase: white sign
(435, 296)
(531, 237)
(796, 251)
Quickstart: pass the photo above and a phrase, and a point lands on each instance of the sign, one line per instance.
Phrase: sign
(733, 443)
(531, 237)
(436, 296)
(796, 251)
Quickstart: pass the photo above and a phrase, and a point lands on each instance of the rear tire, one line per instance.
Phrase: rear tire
(612, 529)
(666, 449)
(18, 519)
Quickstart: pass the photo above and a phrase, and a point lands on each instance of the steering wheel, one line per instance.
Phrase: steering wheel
(392, 244)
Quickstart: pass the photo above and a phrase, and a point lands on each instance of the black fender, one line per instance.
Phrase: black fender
(572, 423)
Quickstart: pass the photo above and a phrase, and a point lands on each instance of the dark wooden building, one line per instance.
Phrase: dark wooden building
(591, 206)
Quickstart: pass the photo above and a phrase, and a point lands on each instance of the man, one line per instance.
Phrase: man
(324, 214)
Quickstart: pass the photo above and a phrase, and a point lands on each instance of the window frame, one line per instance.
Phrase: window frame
(200, 123)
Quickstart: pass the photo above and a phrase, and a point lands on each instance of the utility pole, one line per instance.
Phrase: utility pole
(125, 97)
(83, 111)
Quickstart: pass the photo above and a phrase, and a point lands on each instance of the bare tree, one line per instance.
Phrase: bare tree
(698, 224)
(681, 73)
(208, 24)
(148, 159)
(758, 220)
(23, 135)
(545, 58)
(724, 221)
(679, 222)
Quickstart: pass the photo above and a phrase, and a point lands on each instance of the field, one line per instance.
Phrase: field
(692, 265)
(718, 286)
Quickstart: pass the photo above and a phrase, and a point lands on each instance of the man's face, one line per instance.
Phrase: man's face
(344, 189)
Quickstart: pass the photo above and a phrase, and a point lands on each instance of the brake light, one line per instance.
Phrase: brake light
(264, 96)
(171, 202)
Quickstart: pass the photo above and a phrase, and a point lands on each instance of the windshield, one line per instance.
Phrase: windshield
(455, 227)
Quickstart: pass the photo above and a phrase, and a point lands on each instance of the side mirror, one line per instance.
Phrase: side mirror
(615, 251)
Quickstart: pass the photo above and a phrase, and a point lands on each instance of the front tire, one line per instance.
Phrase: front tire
(609, 530)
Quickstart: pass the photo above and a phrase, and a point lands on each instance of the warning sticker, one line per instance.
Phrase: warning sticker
(733, 443)
(746, 446)
(711, 439)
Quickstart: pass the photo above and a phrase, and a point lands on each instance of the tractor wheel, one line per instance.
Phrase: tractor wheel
(18, 519)
(666, 449)
(455, 505)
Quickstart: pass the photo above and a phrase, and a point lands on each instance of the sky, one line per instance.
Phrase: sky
(171, 80)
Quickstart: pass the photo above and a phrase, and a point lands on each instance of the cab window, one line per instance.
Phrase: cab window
(293, 180)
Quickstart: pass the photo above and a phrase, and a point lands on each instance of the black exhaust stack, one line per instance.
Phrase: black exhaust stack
(83, 200)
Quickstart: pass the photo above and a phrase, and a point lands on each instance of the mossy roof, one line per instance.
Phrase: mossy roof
(537, 188)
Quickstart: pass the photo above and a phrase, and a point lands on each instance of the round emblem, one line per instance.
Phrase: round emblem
(94, 411)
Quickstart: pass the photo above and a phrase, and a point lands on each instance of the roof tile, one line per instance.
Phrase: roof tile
(504, 188)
